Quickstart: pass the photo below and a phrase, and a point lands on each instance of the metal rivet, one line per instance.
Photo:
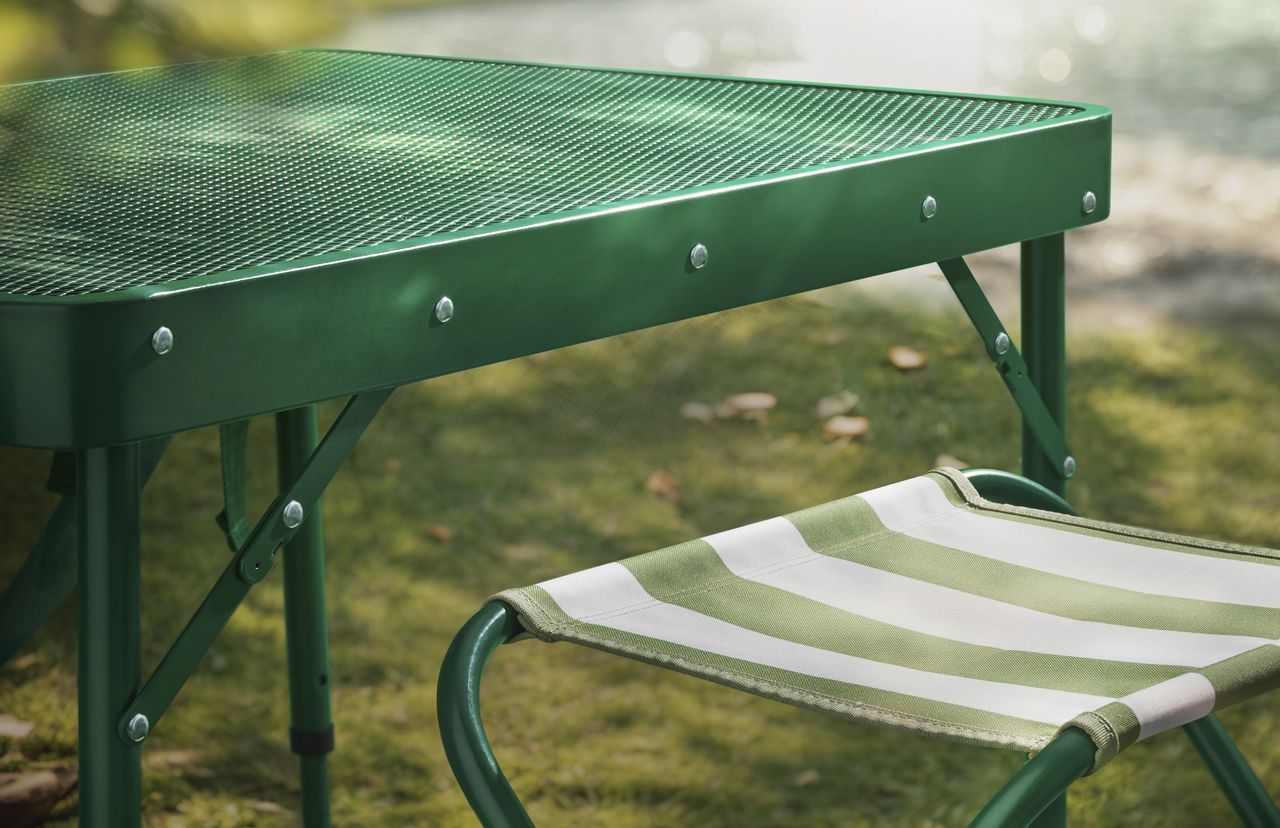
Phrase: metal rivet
(139, 727)
(1089, 203)
(292, 514)
(1002, 343)
(929, 207)
(1069, 467)
(698, 256)
(162, 340)
(444, 309)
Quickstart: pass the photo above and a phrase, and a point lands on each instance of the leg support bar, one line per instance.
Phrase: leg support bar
(1232, 773)
(1040, 422)
(252, 563)
(48, 575)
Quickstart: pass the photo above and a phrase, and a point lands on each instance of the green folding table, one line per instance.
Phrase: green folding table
(195, 245)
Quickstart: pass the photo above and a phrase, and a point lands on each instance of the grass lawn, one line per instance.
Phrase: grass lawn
(539, 468)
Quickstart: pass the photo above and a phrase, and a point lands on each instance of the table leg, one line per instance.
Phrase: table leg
(306, 625)
(1044, 347)
(109, 622)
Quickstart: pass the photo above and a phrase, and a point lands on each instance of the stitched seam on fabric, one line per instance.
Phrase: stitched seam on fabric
(976, 502)
(738, 678)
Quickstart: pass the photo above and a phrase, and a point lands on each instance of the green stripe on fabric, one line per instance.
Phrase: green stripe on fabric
(849, 529)
(956, 722)
(671, 575)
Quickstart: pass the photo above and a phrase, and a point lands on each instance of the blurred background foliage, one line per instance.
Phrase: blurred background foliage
(42, 38)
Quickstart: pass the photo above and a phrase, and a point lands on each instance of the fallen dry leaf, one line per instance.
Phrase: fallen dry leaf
(701, 412)
(521, 552)
(393, 464)
(841, 403)
(806, 778)
(951, 351)
(949, 460)
(13, 728)
(22, 662)
(440, 532)
(266, 806)
(906, 359)
(27, 797)
(845, 428)
(665, 485)
(752, 401)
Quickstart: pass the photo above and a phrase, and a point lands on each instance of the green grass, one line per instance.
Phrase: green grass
(539, 466)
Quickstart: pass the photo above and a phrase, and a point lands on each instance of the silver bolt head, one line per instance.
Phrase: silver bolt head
(444, 309)
(292, 514)
(929, 207)
(162, 340)
(1002, 343)
(1069, 467)
(698, 256)
(139, 727)
(1089, 203)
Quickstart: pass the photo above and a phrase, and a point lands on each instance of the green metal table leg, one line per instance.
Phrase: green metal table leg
(110, 668)
(1040, 786)
(306, 624)
(1044, 346)
(1231, 771)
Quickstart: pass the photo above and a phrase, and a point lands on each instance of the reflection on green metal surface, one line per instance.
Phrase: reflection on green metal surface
(188, 171)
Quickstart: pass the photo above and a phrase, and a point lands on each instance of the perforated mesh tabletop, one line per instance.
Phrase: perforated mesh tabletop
(155, 176)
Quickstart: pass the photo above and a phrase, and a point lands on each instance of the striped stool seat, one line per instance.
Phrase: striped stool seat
(922, 606)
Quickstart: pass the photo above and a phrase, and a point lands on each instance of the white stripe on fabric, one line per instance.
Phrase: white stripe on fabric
(774, 553)
(919, 509)
(635, 611)
(1171, 703)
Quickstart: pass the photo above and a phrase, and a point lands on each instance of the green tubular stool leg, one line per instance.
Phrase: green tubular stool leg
(461, 730)
(1231, 771)
(1040, 783)
(1016, 490)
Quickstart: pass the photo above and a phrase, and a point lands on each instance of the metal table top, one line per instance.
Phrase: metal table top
(294, 218)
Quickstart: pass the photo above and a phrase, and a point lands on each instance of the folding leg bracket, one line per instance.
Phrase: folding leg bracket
(249, 566)
(1012, 368)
